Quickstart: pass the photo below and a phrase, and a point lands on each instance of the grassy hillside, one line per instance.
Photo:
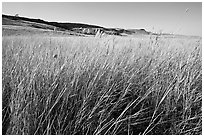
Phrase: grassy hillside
(76, 85)
(67, 26)
(74, 27)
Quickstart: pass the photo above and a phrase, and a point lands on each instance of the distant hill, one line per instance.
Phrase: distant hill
(78, 28)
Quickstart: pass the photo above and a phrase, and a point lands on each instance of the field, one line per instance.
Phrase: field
(95, 86)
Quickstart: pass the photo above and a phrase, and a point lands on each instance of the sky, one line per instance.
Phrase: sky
(166, 17)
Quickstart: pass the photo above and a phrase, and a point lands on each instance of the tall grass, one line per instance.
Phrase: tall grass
(101, 86)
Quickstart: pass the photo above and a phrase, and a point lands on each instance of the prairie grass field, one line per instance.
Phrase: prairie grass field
(101, 86)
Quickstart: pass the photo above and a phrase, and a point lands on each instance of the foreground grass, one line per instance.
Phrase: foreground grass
(101, 86)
